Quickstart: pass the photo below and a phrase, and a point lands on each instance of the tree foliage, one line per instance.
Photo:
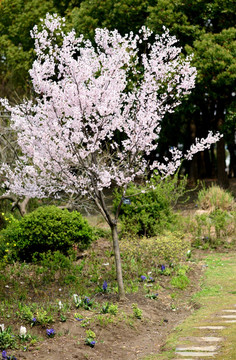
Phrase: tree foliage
(17, 17)
(123, 15)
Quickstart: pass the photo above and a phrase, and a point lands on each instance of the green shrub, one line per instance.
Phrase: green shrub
(48, 229)
(150, 211)
(170, 248)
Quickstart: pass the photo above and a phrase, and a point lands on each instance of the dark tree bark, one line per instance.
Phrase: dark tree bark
(193, 171)
(20, 204)
(118, 262)
(222, 176)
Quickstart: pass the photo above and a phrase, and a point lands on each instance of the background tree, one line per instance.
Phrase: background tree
(123, 15)
(206, 29)
(85, 95)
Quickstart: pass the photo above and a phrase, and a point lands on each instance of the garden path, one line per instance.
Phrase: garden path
(208, 345)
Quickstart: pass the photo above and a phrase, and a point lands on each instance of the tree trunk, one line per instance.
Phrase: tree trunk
(232, 164)
(221, 173)
(118, 262)
(193, 172)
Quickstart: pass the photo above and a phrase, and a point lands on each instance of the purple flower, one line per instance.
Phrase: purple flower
(34, 320)
(143, 278)
(50, 332)
(163, 267)
(151, 278)
(4, 355)
(78, 319)
(104, 286)
(86, 300)
(92, 343)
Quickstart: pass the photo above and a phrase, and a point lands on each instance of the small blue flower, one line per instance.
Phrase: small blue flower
(50, 332)
(143, 278)
(4, 355)
(151, 279)
(78, 319)
(104, 286)
(86, 300)
(163, 267)
(92, 343)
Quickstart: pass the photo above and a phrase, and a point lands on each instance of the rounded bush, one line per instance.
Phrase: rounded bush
(149, 211)
(48, 229)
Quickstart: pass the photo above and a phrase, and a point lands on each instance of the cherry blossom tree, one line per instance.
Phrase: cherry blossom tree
(86, 94)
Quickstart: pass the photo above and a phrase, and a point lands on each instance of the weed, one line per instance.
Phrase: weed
(151, 296)
(104, 320)
(34, 314)
(62, 318)
(108, 308)
(25, 313)
(180, 281)
(136, 311)
(43, 318)
(131, 286)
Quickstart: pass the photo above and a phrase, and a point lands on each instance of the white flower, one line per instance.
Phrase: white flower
(60, 305)
(1, 327)
(75, 297)
(23, 331)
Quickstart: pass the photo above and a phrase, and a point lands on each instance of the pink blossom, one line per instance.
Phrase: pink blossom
(67, 134)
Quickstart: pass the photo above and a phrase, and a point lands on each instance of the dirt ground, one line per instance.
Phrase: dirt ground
(124, 339)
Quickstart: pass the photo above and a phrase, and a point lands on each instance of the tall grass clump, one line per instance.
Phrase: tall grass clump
(216, 222)
(214, 198)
